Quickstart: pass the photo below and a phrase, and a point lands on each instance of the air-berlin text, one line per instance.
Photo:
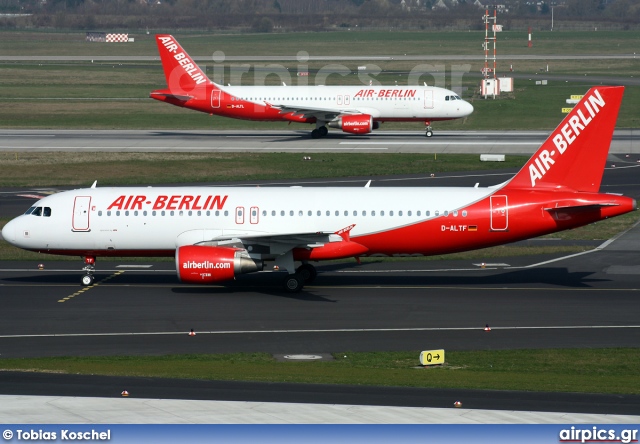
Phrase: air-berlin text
(566, 134)
(166, 202)
(376, 92)
(185, 62)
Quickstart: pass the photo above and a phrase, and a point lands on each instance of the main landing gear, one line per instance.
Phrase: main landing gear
(89, 268)
(305, 274)
(428, 129)
(319, 132)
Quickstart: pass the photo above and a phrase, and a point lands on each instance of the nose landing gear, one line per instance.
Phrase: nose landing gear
(89, 269)
(428, 129)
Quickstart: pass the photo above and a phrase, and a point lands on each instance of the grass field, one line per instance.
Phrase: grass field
(343, 43)
(574, 370)
(114, 95)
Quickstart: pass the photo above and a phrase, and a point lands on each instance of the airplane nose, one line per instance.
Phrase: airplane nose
(467, 109)
(9, 232)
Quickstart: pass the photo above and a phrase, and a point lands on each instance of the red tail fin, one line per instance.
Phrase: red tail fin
(575, 153)
(182, 74)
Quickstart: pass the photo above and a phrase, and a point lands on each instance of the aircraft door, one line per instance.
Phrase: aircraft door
(499, 213)
(80, 221)
(428, 99)
(347, 100)
(215, 98)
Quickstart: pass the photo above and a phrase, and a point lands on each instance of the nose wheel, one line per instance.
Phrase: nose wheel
(87, 279)
(428, 129)
(89, 268)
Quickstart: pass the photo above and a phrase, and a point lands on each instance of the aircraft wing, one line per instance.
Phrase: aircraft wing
(325, 114)
(278, 242)
(268, 243)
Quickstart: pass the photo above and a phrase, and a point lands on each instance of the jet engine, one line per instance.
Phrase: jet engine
(197, 264)
(354, 123)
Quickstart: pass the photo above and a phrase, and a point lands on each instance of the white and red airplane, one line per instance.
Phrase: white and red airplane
(216, 233)
(353, 109)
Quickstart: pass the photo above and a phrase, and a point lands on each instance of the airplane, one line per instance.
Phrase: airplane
(353, 109)
(218, 233)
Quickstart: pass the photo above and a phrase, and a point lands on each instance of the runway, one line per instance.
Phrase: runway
(298, 141)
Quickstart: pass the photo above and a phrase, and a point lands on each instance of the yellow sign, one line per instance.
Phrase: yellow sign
(432, 357)
(566, 110)
(576, 97)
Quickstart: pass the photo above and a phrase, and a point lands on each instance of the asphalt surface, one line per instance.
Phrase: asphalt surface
(625, 141)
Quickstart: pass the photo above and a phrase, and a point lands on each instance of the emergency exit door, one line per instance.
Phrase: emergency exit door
(499, 213)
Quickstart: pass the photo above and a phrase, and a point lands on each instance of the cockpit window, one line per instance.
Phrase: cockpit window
(446, 98)
(39, 211)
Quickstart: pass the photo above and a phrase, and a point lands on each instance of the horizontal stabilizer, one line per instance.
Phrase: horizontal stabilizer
(181, 98)
(581, 207)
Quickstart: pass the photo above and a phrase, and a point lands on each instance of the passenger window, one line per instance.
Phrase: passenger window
(373, 212)
(400, 213)
(391, 213)
(100, 213)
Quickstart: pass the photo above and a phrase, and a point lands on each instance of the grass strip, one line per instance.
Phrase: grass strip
(558, 370)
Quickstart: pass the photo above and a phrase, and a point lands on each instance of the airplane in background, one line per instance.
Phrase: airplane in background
(218, 233)
(353, 109)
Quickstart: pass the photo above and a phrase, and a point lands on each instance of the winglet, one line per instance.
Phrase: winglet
(344, 232)
(574, 155)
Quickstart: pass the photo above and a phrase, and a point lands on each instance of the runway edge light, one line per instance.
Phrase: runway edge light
(432, 357)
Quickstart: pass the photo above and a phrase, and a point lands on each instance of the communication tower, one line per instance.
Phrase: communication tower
(490, 86)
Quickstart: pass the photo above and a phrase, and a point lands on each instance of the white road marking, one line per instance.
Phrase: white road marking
(336, 330)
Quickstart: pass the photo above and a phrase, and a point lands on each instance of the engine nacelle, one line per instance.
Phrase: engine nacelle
(354, 123)
(204, 265)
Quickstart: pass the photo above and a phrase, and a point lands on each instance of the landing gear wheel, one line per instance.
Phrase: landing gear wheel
(323, 131)
(429, 133)
(293, 283)
(87, 280)
(308, 272)
(315, 134)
